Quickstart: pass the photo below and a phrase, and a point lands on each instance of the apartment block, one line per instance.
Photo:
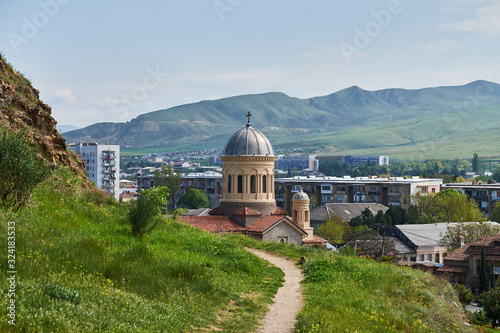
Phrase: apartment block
(394, 191)
(102, 164)
(485, 194)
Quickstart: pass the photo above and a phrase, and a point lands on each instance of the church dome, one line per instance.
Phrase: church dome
(248, 141)
(301, 195)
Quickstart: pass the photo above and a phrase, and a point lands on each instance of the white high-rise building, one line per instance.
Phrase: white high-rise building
(102, 164)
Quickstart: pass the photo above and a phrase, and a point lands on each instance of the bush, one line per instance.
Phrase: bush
(144, 215)
(193, 199)
(62, 293)
(19, 169)
(465, 295)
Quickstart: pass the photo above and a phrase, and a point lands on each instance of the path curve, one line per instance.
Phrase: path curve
(288, 300)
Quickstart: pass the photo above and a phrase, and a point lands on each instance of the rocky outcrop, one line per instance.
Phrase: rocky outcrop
(21, 109)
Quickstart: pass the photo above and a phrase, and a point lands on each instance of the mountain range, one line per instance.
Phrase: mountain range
(398, 122)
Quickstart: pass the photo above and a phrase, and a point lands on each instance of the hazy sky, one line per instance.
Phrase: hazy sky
(96, 61)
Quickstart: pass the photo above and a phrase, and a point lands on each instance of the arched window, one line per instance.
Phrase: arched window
(252, 184)
(264, 184)
(228, 184)
(240, 184)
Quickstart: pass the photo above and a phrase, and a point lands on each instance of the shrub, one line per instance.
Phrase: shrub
(465, 295)
(62, 293)
(193, 199)
(20, 170)
(144, 214)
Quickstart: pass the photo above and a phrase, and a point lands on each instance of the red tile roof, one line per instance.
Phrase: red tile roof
(315, 240)
(213, 223)
(458, 254)
(215, 211)
(245, 211)
(453, 269)
(486, 240)
(279, 211)
(264, 223)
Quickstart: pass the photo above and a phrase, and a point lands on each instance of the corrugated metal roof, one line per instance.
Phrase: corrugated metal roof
(346, 210)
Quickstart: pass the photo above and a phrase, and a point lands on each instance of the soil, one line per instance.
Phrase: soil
(288, 300)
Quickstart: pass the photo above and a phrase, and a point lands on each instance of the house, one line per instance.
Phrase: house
(462, 264)
(346, 211)
(248, 203)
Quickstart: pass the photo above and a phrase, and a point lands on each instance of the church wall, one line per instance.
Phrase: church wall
(283, 230)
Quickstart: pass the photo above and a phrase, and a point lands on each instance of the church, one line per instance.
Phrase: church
(248, 203)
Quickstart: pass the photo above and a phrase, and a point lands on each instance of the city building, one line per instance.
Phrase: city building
(248, 203)
(394, 191)
(485, 194)
(102, 164)
(347, 211)
(357, 160)
(298, 162)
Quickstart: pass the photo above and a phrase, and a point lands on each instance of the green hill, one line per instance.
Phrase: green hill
(354, 115)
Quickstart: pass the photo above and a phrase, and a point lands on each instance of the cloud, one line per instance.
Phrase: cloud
(66, 95)
(486, 20)
(444, 45)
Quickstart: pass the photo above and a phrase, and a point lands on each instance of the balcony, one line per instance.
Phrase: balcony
(395, 194)
(373, 192)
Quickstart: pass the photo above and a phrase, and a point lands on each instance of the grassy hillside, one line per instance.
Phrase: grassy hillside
(351, 121)
(80, 270)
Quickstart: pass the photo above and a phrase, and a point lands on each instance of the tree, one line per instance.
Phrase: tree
(396, 215)
(475, 163)
(334, 229)
(471, 232)
(20, 170)
(145, 213)
(483, 283)
(495, 212)
(491, 306)
(193, 199)
(465, 295)
(452, 206)
(170, 179)
(366, 218)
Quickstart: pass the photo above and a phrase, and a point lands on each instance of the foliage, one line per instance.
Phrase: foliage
(495, 212)
(483, 283)
(177, 279)
(471, 232)
(333, 229)
(62, 293)
(170, 179)
(465, 295)
(193, 199)
(20, 169)
(475, 163)
(366, 218)
(446, 206)
(491, 306)
(395, 215)
(144, 214)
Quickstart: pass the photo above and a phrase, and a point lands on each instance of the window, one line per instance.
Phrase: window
(240, 184)
(429, 257)
(252, 184)
(326, 188)
(264, 184)
(228, 184)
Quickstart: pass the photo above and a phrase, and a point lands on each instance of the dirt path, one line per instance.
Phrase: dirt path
(287, 301)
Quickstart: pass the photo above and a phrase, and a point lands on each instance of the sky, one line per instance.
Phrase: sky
(98, 61)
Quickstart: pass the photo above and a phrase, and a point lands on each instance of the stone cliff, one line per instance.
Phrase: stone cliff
(21, 109)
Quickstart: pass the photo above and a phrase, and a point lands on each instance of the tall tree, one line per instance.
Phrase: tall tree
(483, 283)
(491, 306)
(170, 179)
(452, 206)
(475, 163)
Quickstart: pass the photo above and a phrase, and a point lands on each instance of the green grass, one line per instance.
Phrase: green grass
(349, 294)
(79, 269)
